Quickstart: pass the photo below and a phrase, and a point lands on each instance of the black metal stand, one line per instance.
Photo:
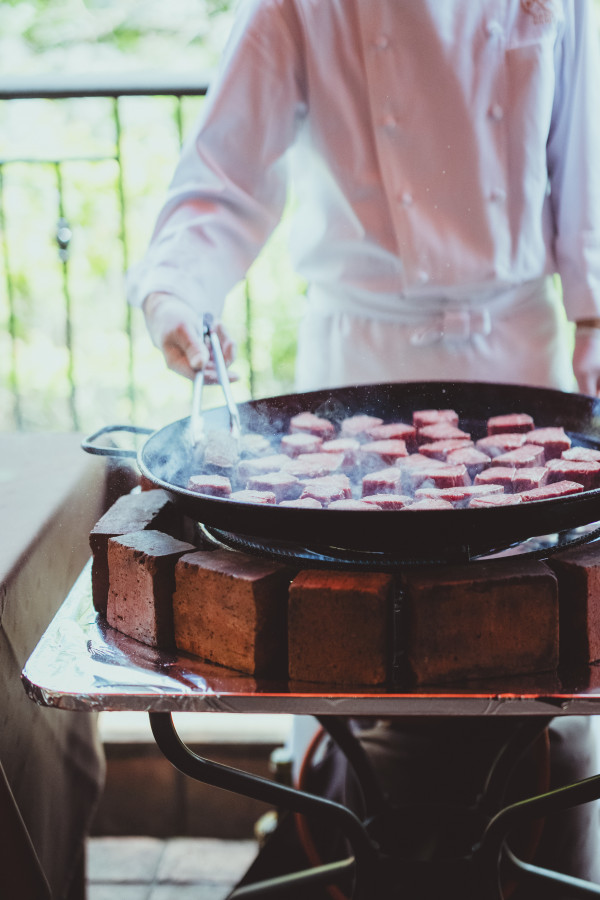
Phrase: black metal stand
(377, 870)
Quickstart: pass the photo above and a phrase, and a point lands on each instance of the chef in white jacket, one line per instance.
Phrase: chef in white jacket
(445, 157)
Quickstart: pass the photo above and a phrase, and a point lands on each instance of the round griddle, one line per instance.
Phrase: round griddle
(167, 459)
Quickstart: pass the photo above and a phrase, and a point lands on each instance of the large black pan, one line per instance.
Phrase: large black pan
(167, 460)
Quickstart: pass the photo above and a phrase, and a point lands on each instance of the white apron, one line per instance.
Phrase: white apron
(516, 336)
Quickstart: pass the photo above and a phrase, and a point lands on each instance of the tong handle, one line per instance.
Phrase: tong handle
(223, 376)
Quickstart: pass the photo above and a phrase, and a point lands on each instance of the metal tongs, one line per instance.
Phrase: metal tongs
(211, 339)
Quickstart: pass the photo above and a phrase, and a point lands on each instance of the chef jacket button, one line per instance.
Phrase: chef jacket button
(382, 42)
(496, 112)
(390, 122)
(497, 195)
(494, 29)
(405, 198)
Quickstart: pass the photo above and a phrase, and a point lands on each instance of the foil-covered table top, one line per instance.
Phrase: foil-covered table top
(82, 664)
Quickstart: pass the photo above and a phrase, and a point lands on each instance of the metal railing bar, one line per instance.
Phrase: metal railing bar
(125, 248)
(63, 252)
(41, 161)
(140, 84)
(13, 377)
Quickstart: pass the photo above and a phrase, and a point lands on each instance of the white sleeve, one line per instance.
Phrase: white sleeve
(574, 161)
(229, 187)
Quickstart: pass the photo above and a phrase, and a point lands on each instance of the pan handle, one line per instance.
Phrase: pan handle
(89, 446)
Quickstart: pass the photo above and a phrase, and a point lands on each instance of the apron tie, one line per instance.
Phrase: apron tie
(456, 324)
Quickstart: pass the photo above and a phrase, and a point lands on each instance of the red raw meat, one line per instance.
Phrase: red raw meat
(423, 417)
(430, 504)
(282, 484)
(550, 491)
(385, 481)
(382, 453)
(495, 500)
(388, 501)
(502, 475)
(357, 426)
(249, 496)
(527, 455)
(303, 503)
(314, 465)
(441, 431)
(553, 440)
(442, 449)
(584, 453)
(530, 477)
(495, 444)
(300, 442)
(475, 460)
(586, 473)
(394, 431)
(307, 421)
(515, 423)
(211, 485)
(352, 504)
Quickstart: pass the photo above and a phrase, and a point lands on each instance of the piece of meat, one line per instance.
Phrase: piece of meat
(495, 444)
(249, 496)
(314, 465)
(282, 484)
(588, 454)
(442, 449)
(375, 454)
(459, 497)
(527, 455)
(357, 426)
(443, 476)
(424, 417)
(475, 460)
(530, 477)
(441, 431)
(551, 491)
(385, 481)
(309, 422)
(494, 500)
(388, 501)
(429, 504)
(502, 475)
(553, 440)
(348, 446)
(300, 442)
(327, 489)
(580, 470)
(515, 423)
(351, 504)
(252, 444)
(394, 431)
(221, 453)
(248, 468)
(211, 485)
(302, 503)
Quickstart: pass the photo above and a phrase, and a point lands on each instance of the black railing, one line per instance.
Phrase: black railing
(75, 391)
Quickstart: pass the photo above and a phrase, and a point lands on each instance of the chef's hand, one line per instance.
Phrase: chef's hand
(177, 330)
(586, 356)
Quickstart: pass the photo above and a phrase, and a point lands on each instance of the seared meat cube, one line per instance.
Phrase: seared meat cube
(351, 504)
(255, 445)
(302, 503)
(588, 454)
(515, 423)
(502, 475)
(424, 417)
(300, 442)
(282, 484)
(348, 446)
(394, 431)
(551, 491)
(585, 473)
(458, 496)
(357, 426)
(529, 477)
(388, 501)
(430, 504)
(314, 465)
(211, 485)
(443, 476)
(553, 440)
(307, 421)
(248, 468)
(375, 454)
(442, 449)
(327, 489)
(527, 455)
(385, 481)
(441, 431)
(249, 496)
(494, 500)
(473, 459)
(495, 444)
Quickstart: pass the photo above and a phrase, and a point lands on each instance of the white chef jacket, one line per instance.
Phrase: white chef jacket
(445, 156)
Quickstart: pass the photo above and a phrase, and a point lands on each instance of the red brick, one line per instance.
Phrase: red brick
(479, 621)
(230, 609)
(578, 573)
(339, 626)
(131, 512)
(141, 569)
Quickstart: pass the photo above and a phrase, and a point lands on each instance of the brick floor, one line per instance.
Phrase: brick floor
(143, 868)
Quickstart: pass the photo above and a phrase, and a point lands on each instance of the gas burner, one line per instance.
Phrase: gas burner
(359, 560)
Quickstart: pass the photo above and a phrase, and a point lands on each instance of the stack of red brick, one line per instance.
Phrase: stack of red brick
(154, 582)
